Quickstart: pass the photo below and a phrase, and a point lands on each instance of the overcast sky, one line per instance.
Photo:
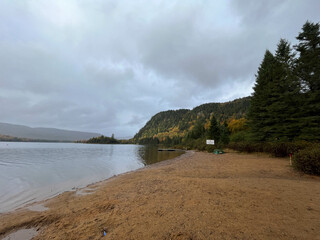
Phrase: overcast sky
(108, 66)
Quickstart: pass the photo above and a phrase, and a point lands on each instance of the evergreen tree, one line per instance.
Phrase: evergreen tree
(198, 129)
(260, 119)
(284, 90)
(273, 112)
(308, 71)
(225, 133)
(214, 130)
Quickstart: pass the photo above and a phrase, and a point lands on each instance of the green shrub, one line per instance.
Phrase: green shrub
(198, 144)
(276, 149)
(248, 147)
(295, 147)
(210, 148)
(308, 160)
(306, 154)
(241, 136)
(283, 149)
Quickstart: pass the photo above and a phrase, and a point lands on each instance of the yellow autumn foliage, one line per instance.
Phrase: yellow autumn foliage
(173, 132)
(236, 125)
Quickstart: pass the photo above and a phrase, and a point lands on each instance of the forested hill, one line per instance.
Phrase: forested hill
(161, 122)
(176, 123)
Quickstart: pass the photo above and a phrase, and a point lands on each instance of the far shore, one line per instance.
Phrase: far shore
(195, 196)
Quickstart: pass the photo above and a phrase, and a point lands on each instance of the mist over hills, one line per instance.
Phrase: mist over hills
(51, 134)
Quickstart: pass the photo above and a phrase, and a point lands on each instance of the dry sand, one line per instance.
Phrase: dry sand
(195, 196)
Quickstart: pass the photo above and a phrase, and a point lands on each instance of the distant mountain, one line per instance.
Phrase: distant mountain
(178, 122)
(51, 134)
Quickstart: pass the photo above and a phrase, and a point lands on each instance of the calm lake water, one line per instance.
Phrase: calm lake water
(32, 172)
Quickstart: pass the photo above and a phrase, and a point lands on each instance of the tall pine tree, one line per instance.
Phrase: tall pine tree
(308, 71)
(284, 90)
(214, 130)
(260, 119)
(286, 101)
(225, 133)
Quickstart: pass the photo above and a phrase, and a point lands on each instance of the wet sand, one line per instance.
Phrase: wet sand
(195, 196)
(22, 234)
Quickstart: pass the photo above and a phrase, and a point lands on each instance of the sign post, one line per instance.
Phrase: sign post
(210, 142)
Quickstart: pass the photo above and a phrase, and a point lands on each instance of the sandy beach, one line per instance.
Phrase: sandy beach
(195, 196)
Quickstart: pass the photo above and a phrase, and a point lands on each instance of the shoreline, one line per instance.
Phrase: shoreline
(80, 189)
(40, 180)
(193, 196)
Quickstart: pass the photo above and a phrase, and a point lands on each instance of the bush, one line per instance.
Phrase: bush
(199, 144)
(241, 136)
(295, 147)
(308, 160)
(248, 147)
(276, 149)
(210, 148)
(283, 149)
(306, 154)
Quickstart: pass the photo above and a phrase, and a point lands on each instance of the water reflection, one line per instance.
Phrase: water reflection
(150, 154)
(35, 171)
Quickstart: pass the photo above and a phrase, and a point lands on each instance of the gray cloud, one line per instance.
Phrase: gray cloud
(108, 66)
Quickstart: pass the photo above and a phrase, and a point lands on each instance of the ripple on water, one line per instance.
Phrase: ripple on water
(36, 171)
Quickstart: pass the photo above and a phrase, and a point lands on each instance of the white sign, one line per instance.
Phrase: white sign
(211, 142)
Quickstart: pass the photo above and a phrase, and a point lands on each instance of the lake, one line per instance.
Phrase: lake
(32, 172)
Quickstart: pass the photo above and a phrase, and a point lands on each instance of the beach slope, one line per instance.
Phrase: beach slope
(195, 196)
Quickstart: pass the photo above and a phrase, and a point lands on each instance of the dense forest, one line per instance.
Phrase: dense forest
(171, 127)
(282, 117)
(102, 140)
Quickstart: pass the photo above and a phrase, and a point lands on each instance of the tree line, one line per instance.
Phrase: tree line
(103, 140)
(285, 105)
(173, 127)
(284, 116)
